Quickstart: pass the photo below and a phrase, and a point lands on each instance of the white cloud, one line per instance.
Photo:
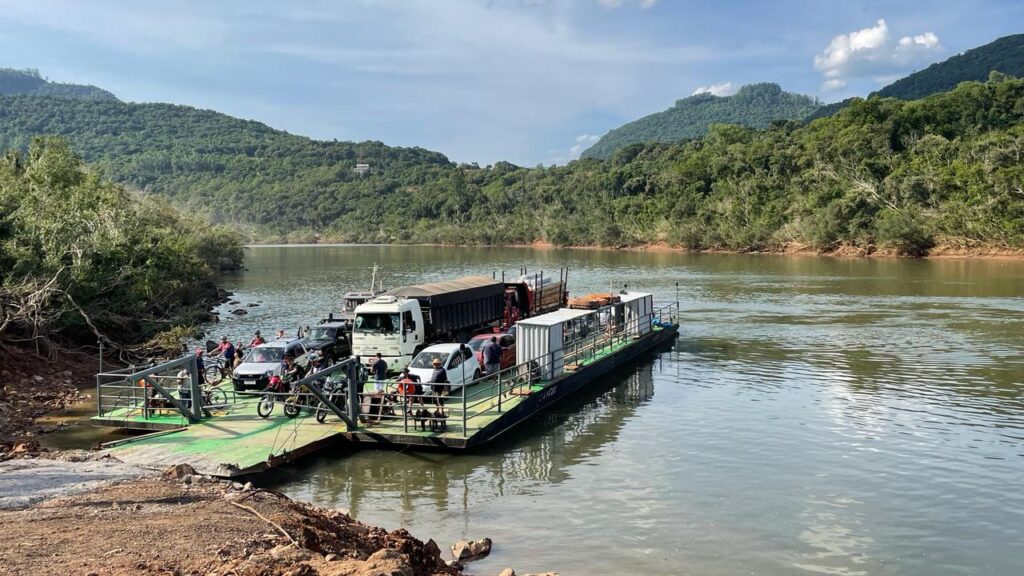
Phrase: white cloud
(870, 52)
(644, 4)
(583, 141)
(833, 84)
(723, 89)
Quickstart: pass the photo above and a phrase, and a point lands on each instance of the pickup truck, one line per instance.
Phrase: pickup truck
(330, 340)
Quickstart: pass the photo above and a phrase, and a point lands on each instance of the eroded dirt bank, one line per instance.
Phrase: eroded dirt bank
(140, 523)
(31, 386)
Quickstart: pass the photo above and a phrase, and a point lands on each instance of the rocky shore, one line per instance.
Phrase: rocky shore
(84, 513)
(97, 517)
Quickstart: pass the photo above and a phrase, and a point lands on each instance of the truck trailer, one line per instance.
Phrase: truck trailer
(400, 322)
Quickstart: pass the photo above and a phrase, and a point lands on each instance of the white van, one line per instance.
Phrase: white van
(458, 361)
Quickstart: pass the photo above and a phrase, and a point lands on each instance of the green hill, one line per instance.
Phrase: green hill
(755, 105)
(883, 172)
(29, 81)
(1005, 55)
(231, 170)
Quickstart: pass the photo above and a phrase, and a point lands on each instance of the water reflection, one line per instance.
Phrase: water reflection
(530, 460)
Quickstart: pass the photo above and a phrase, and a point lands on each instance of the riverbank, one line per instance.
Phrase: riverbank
(34, 386)
(134, 522)
(792, 249)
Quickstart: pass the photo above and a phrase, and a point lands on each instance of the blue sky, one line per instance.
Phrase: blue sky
(528, 81)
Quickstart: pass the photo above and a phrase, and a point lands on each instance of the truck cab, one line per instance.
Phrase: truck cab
(389, 325)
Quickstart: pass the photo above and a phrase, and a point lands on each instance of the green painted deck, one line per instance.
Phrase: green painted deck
(163, 418)
(232, 445)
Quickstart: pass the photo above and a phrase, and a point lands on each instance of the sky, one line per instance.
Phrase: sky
(526, 81)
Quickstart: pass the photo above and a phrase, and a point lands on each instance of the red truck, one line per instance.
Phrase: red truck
(533, 294)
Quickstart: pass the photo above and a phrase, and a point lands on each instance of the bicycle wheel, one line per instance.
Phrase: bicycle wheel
(213, 375)
(265, 406)
(218, 398)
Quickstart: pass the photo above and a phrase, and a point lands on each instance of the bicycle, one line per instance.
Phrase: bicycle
(217, 369)
(214, 397)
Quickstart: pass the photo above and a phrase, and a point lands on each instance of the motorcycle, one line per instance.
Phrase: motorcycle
(335, 392)
(266, 402)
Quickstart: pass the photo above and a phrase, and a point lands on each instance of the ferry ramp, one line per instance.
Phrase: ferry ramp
(232, 445)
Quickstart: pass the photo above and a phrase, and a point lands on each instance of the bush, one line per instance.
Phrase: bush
(905, 231)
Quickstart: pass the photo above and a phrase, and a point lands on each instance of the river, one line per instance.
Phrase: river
(815, 416)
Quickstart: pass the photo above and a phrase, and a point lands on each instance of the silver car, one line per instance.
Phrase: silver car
(267, 360)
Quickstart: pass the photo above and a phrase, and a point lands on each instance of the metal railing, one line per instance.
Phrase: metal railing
(468, 408)
(146, 391)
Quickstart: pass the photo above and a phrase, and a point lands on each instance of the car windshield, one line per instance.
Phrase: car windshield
(382, 323)
(425, 359)
(476, 345)
(321, 334)
(264, 355)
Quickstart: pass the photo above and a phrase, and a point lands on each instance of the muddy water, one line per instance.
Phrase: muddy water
(816, 416)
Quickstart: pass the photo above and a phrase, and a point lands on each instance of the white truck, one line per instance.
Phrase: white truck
(401, 322)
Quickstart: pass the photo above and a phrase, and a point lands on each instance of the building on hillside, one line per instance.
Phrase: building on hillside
(362, 169)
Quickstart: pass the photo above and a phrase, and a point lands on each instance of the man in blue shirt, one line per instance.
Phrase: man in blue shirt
(492, 356)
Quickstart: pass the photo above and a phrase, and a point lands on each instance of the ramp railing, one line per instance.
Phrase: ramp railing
(138, 392)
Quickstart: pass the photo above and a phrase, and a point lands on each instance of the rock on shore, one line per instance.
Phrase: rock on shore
(182, 523)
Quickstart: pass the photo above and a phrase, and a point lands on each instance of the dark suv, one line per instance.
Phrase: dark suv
(329, 340)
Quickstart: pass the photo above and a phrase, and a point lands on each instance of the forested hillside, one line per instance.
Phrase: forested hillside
(232, 170)
(755, 105)
(884, 173)
(1005, 55)
(947, 170)
(29, 81)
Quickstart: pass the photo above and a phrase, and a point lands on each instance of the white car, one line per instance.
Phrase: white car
(457, 359)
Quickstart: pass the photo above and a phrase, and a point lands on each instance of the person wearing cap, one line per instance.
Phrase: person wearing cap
(256, 340)
(438, 381)
(314, 363)
(226, 350)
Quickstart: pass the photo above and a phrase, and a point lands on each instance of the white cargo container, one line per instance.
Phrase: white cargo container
(638, 307)
(541, 339)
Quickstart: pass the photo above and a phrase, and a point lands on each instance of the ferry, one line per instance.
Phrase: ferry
(558, 354)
